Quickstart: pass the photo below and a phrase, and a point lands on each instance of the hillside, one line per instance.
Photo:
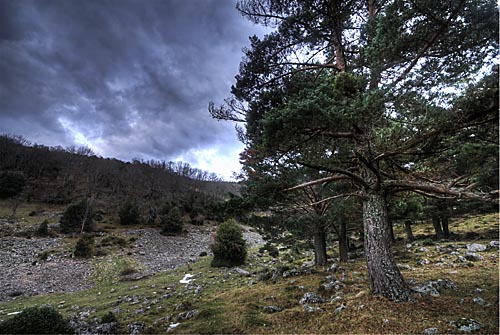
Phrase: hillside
(56, 175)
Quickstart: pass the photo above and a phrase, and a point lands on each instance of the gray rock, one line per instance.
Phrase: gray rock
(340, 308)
(433, 287)
(430, 331)
(467, 325)
(187, 315)
(136, 328)
(424, 261)
(312, 309)
(403, 266)
(423, 249)
(480, 301)
(470, 256)
(334, 267)
(242, 272)
(494, 244)
(476, 247)
(311, 298)
(460, 259)
(271, 309)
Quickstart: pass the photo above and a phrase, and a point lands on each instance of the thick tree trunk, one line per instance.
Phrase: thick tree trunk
(343, 243)
(436, 222)
(319, 246)
(409, 232)
(386, 280)
(446, 229)
(391, 227)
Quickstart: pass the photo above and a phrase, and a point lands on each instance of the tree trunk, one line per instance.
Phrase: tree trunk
(391, 230)
(386, 280)
(319, 246)
(409, 232)
(436, 222)
(343, 243)
(446, 229)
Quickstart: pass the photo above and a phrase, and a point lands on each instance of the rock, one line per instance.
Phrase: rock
(460, 259)
(476, 247)
(308, 264)
(271, 309)
(107, 328)
(423, 249)
(340, 308)
(312, 309)
(334, 267)
(473, 257)
(494, 244)
(403, 266)
(467, 325)
(187, 315)
(430, 331)
(433, 287)
(242, 272)
(424, 261)
(135, 328)
(336, 299)
(311, 298)
(480, 301)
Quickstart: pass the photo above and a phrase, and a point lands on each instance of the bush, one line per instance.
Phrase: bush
(77, 214)
(43, 229)
(229, 248)
(85, 246)
(36, 320)
(171, 222)
(11, 183)
(108, 318)
(129, 214)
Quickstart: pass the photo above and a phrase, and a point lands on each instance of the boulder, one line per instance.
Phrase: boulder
(476, 247)
(471, 256)
(312, 309)
(241, 272)
(467, 325)
(271, 309)
(311, 298)
(494, 244)
(430, 331)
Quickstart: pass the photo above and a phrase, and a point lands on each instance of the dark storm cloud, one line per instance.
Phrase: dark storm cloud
(128, 78)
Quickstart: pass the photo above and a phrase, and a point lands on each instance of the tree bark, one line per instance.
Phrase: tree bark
(409, 232)
(386, 279)
(446, 229)
(343, 243)
(319, 246)
(436, 222)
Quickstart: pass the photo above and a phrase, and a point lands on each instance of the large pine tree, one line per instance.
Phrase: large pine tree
(369, 92)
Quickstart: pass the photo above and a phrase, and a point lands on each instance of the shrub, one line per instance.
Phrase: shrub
(273, 251)
(171, 222)
(129, 214)
(36, 320)
(77, 214)
(229, 247)
(43, 229)
(85, 246)
(11, 183)
(108, 318)
(427, 242)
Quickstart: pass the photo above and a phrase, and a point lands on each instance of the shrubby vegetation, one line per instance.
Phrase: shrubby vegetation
(229, 247)
(11, 183)
(129, 213)
(36, 320)
(85, 246)
(171, 222)
(78, 217)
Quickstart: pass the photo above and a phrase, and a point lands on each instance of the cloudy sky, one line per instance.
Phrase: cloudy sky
(129, 79)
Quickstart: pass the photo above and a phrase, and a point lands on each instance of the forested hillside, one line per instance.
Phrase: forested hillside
(57, 175)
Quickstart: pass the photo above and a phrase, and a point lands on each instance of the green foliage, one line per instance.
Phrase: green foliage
(108, 318)
(171, 222)
(129, 214)
(85, 246)
(76, 215)
(43, 229)
(428, 242)
(36, 320)
(11, 184)
(229, 247)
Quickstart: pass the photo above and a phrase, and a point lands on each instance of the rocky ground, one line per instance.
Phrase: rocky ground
(25, 272)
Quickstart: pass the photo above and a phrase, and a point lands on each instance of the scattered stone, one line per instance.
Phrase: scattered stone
(135, 287)
(311, 298)
(336, 299)
(423, 249)
(135, 328)
(271, 309)
(334, 267)
(312, 309)
(403, 266)
(467, 325)
(460, 259)
(433, 287)
(480, 301)
(473, 257)
(476, 247)
(242, 272)
(494, 244)
(430, 331)
(340, 308)
(308, 264)
(424, 261)
(479, 290)
(361, 294)
(187, 315)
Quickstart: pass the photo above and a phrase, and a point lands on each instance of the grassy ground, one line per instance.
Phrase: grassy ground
(230, 303)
